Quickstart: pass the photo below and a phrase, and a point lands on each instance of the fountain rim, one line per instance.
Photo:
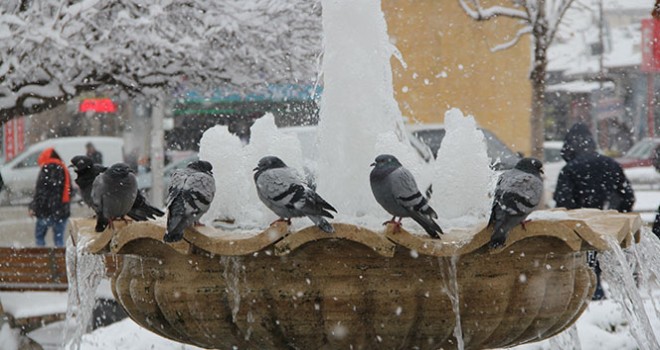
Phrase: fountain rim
(582, 229)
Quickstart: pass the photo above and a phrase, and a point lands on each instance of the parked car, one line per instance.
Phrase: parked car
(307, 135)
(552, 151)
(19, 176)
(640, 154)
(501, 156)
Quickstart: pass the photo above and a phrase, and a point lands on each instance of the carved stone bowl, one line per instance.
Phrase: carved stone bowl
(357, 289)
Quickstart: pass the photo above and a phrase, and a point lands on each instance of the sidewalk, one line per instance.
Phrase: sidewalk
(17, 228)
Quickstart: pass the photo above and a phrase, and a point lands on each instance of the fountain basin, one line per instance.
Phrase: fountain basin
(357, 288)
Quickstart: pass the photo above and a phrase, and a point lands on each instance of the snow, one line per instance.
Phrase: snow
(23, 305)
(579, 86)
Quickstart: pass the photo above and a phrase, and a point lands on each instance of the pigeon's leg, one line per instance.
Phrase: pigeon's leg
(287, 220)
(396, 223)
(522, 223)
(391, 221)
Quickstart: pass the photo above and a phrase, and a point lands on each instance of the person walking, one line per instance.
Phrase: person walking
(92, 152)
(591, 180)
(52, 196)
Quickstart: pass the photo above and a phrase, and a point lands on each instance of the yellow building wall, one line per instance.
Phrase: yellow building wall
(450, 64)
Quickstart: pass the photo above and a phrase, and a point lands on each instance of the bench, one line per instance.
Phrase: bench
(35, 269)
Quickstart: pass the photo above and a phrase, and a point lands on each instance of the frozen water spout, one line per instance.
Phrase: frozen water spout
(359, 116)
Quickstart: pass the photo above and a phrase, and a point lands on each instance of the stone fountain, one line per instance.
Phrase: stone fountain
(363, 287)
(358, 288)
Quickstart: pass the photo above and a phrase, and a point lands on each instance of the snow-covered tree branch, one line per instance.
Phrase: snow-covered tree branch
(540, 19)
(52, 50)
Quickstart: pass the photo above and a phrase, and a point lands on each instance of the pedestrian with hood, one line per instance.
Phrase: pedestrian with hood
(591, 180)
(52, 197)
(94, 154)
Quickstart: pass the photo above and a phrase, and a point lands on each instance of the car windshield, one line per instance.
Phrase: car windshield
(641, 150)
(500, 155)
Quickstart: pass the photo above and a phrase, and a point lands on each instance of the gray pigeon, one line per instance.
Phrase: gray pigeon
(518, 193)
(87, 171)
(113, 194)
(190, 194)
(396, 191)
(287, 195)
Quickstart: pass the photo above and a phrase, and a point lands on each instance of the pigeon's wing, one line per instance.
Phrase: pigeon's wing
(406, 193)
(98, 190)
(199, 190)
(98, 187)
(177, 180)
(282, 187)
(519, 193)
(194, 189)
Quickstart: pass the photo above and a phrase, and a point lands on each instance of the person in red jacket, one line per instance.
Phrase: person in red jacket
(52, 197)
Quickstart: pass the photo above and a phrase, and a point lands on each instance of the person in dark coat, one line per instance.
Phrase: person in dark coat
(52, 197)
(92, 152)
(591, 180)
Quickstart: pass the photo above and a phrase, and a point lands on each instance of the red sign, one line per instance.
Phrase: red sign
(10, 142)
(98, 105)
(650, 45)
(20, 135)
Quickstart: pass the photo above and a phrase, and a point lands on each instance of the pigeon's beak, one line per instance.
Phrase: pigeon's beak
(372, 164)
(541, 170)
(255, 169)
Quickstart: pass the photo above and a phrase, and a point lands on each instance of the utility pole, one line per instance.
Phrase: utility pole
(157, 150)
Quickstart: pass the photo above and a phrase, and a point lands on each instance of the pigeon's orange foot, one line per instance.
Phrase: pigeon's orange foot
(523, 224)
(397, 224)
(288, 221)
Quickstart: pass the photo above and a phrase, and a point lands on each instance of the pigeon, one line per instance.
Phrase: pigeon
(283, 191)
(190, 194)
(87, 171)
(396, 191)
(518, 193)
(113, 194)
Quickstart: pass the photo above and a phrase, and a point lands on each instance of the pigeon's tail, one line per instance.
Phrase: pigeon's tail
(176, 221)
(142, 211)
(425, 209)
(502, 224)
(498, 238)
(429, 225)
(322, 207)
(322, 223)
(173, 235)
(101, 223)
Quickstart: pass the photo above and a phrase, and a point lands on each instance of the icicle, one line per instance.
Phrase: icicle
(622, 287)
(84, 273)
(449, 276)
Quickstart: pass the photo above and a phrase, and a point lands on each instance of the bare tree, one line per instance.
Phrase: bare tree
(540, 19)
(52, 50)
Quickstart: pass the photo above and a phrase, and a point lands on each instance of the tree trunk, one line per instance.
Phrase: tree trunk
(537, 77)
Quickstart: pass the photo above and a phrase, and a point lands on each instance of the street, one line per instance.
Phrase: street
(17, 228)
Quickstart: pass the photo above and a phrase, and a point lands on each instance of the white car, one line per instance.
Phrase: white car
(18, 177)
